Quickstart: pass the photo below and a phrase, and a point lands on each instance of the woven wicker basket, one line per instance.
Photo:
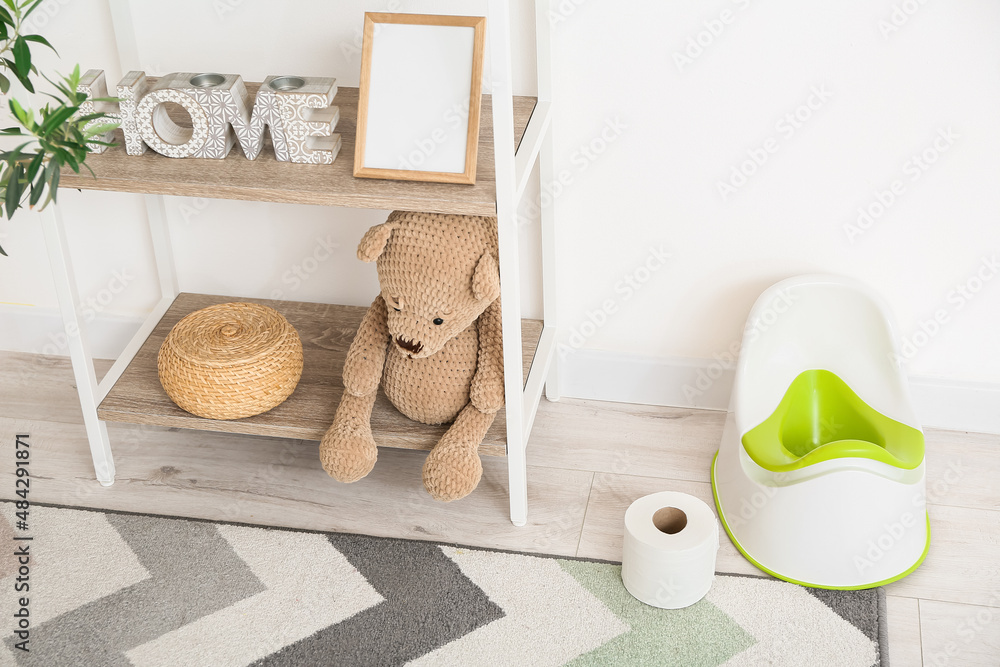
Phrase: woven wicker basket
(230, 360)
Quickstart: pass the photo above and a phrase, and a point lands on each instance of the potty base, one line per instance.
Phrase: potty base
(816, 578)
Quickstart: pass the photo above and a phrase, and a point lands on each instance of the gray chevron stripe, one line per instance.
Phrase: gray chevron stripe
(859, 608)
(429, 603)
(176, 593)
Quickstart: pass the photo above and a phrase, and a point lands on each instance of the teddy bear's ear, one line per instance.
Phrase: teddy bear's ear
(373, 242)
(486, 279)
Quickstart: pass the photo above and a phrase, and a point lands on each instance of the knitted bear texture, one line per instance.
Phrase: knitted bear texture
(433, 340)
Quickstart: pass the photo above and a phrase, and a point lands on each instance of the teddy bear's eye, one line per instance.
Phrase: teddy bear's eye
(438, 320)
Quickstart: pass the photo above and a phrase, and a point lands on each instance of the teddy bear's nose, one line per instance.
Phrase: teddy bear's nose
(409, 345)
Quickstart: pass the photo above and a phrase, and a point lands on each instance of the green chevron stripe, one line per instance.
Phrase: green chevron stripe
(698, 636)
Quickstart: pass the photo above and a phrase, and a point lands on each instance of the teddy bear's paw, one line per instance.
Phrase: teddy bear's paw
(452, 472)
(347, 454)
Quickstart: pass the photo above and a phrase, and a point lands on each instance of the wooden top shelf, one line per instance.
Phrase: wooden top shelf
(326, 332)
(266, 179)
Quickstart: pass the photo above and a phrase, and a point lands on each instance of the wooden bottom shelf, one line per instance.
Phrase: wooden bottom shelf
(326, 332)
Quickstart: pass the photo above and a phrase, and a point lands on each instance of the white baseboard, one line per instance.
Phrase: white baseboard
(40, 331)
(706, 383)
(589, 374)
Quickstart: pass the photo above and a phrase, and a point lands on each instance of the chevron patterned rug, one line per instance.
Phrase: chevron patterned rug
(109, 589)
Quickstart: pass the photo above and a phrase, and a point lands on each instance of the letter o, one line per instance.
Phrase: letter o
(164, 135)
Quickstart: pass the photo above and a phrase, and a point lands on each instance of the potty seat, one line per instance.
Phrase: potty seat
(819, 479)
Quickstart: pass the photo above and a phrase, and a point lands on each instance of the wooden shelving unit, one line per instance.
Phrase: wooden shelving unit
(514, 137)
(266, 179)
(326, 332)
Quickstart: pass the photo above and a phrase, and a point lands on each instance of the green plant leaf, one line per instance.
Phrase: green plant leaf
(13, 7)
(4, 84)
(33, 167)
(57, 118)
(11, 157)
(5, 17)
(37, 189)
(12, 200)
(21, 76)
(32, 8)
(22, 55)
(52, 172)
(40, 40)
(18, 111)
(98, 130)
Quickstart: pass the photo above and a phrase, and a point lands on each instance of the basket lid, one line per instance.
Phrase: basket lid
(229, 333)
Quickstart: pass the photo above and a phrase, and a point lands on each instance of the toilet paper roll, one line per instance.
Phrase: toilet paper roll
(668, 557)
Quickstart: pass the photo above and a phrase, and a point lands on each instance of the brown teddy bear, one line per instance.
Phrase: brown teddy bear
(433, 340)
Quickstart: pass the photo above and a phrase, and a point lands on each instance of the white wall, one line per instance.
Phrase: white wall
(685, 125)
(662, 133)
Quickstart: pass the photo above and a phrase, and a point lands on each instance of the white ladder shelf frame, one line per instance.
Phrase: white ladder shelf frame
(513, 170)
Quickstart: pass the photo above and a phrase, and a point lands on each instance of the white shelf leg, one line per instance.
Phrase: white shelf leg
(79, 349)
(159, 233)
(498, 27)
(547, 175)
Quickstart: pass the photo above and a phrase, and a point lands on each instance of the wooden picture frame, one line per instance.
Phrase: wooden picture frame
(413, 97)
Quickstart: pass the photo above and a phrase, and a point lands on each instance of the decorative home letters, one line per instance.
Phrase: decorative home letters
(297, 110)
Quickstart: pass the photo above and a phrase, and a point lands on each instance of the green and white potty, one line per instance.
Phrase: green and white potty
(819, 479)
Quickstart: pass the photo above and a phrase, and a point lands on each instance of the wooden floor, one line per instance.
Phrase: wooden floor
(587, 461)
